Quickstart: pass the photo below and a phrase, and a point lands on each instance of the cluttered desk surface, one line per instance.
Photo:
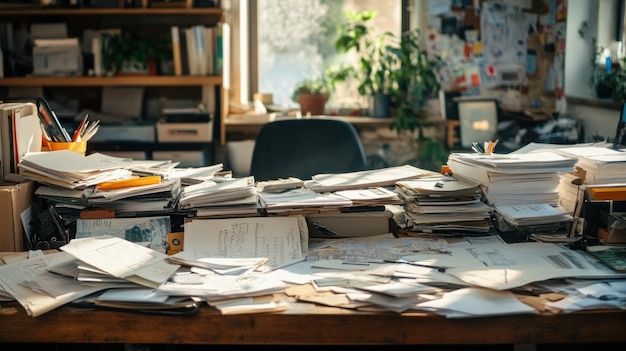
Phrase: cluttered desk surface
(262, 262)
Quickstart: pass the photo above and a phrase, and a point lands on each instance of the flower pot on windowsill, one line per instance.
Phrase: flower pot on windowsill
(313, 104)
(380, 105)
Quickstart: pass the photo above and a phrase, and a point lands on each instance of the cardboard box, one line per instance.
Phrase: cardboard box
(15, 198)
(185, 132)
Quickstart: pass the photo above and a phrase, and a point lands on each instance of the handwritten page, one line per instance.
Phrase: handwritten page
(280, 239)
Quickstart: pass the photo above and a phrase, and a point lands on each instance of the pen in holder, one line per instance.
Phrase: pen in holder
(76, 146)
(488, 146)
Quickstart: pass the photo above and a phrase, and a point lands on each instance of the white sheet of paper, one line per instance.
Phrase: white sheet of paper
(475, 302)
(122, 259)
(280, 239)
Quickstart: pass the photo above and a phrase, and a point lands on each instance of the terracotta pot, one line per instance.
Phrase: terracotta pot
(314, 104)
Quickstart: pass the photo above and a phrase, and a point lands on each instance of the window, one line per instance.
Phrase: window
(604, 22)
(293, 39)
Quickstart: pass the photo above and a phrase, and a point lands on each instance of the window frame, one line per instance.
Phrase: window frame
(242, 16)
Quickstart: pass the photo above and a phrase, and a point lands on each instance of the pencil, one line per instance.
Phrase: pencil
(127, 183)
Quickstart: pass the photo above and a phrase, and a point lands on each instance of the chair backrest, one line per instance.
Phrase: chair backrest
(304, 147)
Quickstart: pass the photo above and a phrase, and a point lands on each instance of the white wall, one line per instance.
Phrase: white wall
(597, 121)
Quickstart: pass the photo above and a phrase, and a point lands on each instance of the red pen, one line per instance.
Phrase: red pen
(79, 130)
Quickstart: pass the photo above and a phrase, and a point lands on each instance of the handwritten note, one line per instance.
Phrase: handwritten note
(280, 239)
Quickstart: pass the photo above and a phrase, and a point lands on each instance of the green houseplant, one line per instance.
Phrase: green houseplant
(126, 53)
(375, 64)
(313, 93)
(399, 68)
(606, 83)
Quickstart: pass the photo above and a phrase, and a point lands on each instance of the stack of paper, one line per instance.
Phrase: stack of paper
(385, 177)
(69, 169)
(378, 196)
(532, 214)
(513, 178)
(152, 198)
(300, 200)
(227, 197)
(599, 164)
(122, 259)
(428, 203)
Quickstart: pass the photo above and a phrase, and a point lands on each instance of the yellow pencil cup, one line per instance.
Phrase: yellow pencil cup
(76, 146)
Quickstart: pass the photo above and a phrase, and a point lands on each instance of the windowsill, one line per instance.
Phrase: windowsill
(593, 102)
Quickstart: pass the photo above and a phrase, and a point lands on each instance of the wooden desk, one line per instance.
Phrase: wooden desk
(239, 127)
(326, 326)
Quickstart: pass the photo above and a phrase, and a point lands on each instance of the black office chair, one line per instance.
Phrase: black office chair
(304, 147)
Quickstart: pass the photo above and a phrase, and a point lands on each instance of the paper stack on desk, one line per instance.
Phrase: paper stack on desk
(69, 169)
(513, 178)
(122, 259)
(386, 177)
(516, 179)
(599, 165)
(234, 197)
(301, 200)
(429, 201)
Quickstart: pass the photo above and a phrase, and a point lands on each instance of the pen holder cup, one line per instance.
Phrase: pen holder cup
(76, 146)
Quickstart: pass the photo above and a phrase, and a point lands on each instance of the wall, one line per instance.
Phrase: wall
(599, 123)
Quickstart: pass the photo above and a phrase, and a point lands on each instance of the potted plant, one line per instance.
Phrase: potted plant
(374, 66)
(399, 68)
(132, 54)
(313, 93)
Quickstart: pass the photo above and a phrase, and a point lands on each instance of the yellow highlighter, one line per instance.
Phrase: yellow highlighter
(127, 183)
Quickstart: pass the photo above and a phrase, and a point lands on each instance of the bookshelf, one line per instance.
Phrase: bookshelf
(161, 89)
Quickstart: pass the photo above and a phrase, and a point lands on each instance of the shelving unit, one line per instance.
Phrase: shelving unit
(206, 89)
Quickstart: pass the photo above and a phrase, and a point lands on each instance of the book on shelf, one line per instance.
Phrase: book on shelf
(20, 133)
(209, 44)
(176, 54)
(200, 49)
(219, 53)
(184, 56)
(192, 58)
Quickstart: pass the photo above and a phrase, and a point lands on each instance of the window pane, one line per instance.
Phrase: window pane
(296, 41)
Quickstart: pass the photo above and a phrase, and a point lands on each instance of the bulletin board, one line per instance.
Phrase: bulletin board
(512, 51)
